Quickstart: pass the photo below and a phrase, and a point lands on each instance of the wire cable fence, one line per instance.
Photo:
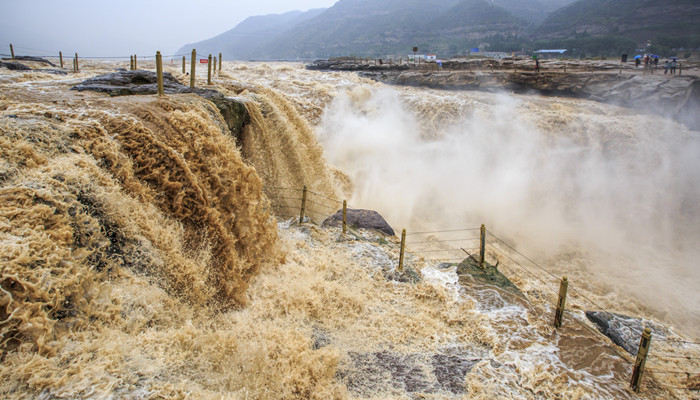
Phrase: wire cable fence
(694, 362)
(32, 52)
(308, 205)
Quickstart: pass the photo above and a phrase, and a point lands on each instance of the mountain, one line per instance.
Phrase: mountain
(534, 11)
(378, 28)
(662, 23)
(245, 40)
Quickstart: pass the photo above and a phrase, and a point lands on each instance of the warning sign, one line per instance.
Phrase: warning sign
(203, 61)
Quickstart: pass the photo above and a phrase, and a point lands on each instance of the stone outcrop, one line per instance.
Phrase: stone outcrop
(436, 373)
(14, 66)
(19, 64)
(350, 64)
(139, 82)
(624, 331)
(676, 96)
(365, 219)
(470, 271)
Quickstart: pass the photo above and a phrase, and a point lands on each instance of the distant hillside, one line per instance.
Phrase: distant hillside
(246, 39)
(534, 11)
(378, 28)
(665, 23)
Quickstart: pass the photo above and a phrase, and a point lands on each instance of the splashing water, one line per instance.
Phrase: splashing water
(133, 231)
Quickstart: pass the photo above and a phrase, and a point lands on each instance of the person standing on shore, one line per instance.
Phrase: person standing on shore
(673, 67)
(666, 67)
(646, 63)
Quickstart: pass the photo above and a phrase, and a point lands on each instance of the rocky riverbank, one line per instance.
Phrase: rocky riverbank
(677, 96)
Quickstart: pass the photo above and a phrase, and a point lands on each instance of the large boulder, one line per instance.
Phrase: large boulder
(366, 219)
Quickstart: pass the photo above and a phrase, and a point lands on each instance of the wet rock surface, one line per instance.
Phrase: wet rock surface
(14, 66)
(469, 269)
(35, 59)
(17, 64)
(370, 373)
(124, 83)
(31, 58)
(355, 65)
(362, 219)
(624, 331)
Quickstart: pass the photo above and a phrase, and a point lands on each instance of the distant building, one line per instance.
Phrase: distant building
(550, 53)
(431, 57)
(494, 54)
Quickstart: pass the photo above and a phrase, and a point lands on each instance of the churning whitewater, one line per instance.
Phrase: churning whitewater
(148, 252)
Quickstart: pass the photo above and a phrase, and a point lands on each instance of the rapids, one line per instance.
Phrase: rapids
(146, 254)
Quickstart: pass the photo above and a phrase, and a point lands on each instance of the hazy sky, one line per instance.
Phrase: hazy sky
(125, 27)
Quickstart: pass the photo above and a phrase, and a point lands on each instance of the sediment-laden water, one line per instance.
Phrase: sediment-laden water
(146, 254)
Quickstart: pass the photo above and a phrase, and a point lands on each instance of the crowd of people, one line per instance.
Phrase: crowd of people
(651, 63)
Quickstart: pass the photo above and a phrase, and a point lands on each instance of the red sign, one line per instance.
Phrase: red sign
(203, 61)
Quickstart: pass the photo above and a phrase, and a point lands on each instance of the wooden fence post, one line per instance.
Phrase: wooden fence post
(183, 65)
(60, 57)
(192, 67)
(12, 51)
(209, 70)
(131, 62)
(638, 370)
(482, 246)
(345, 216)
(561, 302)
(77, 66)
(136, 63)
(403, 245)
(215, 65)
(159, 72)
(303, 206)
(221, 61)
